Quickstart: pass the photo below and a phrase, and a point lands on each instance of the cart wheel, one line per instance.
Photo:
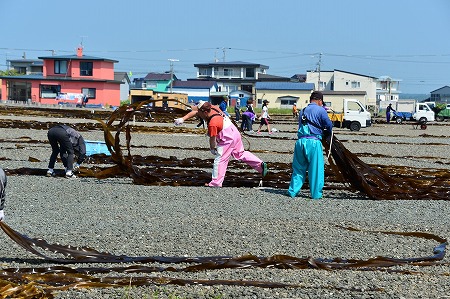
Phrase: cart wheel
(423, 126)
(398, 120)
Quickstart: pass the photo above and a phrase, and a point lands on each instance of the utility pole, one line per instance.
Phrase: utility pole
(318, 69)
(171, 72)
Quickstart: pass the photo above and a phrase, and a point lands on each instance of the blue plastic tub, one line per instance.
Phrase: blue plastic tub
(96, 147)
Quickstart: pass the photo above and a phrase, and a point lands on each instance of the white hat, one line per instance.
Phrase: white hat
(200, 104)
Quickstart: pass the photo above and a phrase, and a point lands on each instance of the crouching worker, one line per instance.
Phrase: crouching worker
(313, 123)
(66, 142)
(2, 193)
(224, 141)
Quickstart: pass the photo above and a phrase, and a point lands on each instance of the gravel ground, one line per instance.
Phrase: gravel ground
(115, 216)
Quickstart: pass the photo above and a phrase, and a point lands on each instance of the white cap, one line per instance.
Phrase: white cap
(200, 104)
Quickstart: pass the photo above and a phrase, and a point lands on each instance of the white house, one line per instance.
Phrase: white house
(233, 75)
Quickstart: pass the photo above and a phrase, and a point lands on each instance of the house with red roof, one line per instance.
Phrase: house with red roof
(64, 79)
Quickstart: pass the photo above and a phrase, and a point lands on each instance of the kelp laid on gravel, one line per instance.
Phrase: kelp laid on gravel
(42, 282)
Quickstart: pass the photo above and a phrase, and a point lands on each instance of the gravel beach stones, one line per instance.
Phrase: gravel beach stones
(115, 216)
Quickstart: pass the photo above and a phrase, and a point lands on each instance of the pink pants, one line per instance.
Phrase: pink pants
(229, 143)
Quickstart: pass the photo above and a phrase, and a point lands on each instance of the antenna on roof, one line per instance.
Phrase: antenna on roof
(224, 50)
(81, 44)
(215, 56)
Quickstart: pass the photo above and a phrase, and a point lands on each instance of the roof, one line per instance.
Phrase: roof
(439, 89)
(355, 74)
(284, 86)
(387, 78)
(159, 77)
(27, 61)
(194, 84)
(299, 77)
(333, 92)
(120, 76)
(75, 57)
(55, 78)
(267, 77)
(230, 63)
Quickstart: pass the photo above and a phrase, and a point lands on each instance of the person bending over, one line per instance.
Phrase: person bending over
(66, 142)
(224, 141)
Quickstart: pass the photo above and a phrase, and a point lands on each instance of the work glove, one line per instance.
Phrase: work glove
(214, 151)
(76, 167)
(179, 121)
(2, 215)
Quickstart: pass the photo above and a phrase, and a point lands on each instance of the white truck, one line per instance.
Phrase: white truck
(353, 116)
(423, 113)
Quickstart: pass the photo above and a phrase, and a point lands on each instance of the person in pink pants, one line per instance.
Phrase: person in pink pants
(224, 141)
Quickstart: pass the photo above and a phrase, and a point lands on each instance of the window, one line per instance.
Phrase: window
(354, 106)
(49, 91)
(250, 72)
(60, 66)
(89, 92)
(86, 68)
(205, 72)
(21, 69)
(247, 87)
(322, 85)
(288, 102)
(356, 84)
(228, 72)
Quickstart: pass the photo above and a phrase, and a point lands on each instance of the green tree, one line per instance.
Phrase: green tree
(9, 73)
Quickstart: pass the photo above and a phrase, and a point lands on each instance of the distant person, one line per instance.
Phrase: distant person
(66, 142)
(388, 113)
(264, 117)
(223, 106)
(294, 111)
(247, 121)
(313, 124)
(248, 117)
(237, 109)
(149, 109)
(224, 142)
(2, 193)
(85, 100)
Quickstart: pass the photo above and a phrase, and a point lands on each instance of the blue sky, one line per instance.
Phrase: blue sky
(403, 39)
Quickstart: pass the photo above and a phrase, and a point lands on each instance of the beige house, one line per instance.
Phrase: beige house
(283, 94)
(346, 82)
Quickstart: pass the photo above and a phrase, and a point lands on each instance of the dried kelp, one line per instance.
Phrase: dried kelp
(379, 185)
(41, 282)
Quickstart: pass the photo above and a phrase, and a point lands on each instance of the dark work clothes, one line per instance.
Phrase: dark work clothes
(66, 142)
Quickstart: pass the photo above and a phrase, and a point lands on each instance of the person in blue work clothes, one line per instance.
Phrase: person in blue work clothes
(223, 106)
(313, 124)
(388, 113)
